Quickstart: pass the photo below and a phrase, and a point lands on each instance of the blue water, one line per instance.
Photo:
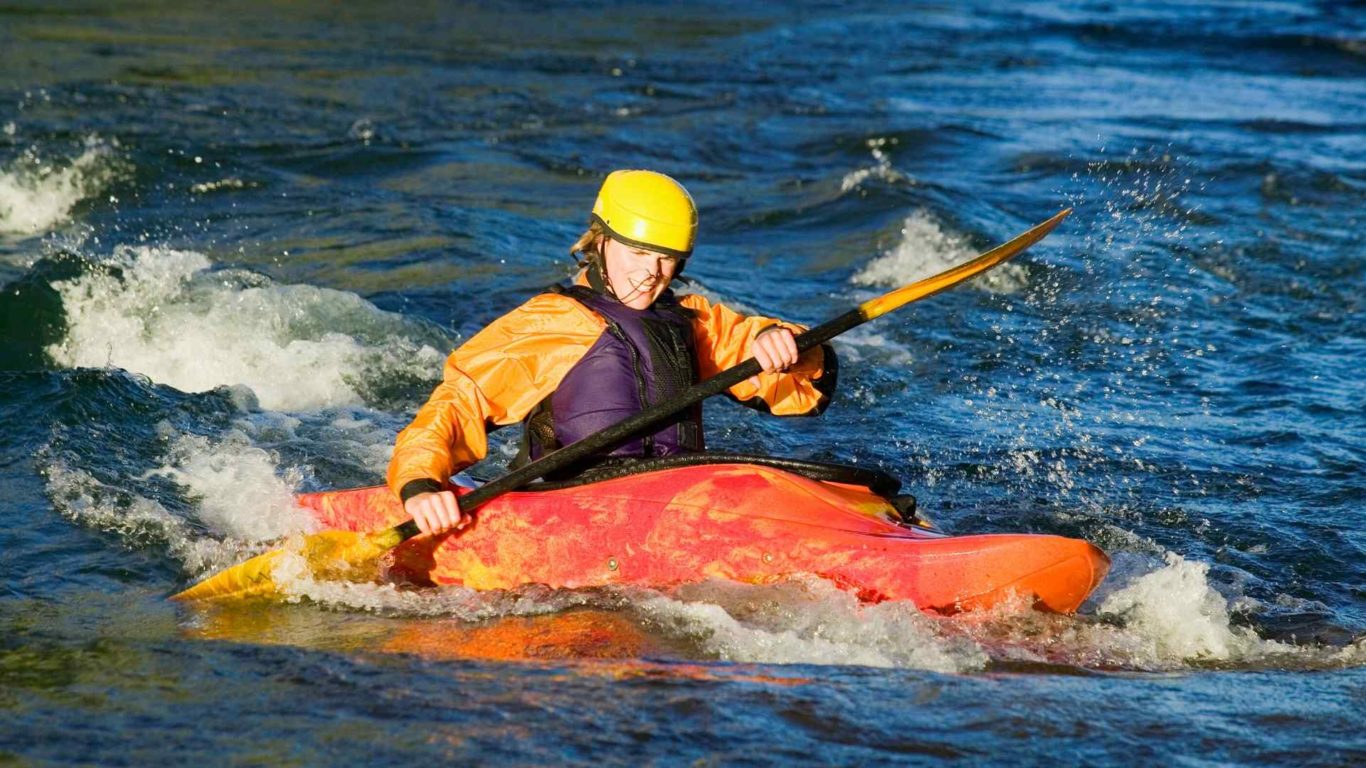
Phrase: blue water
(235, 245)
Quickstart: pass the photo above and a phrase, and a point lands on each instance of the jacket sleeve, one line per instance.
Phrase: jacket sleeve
(723, 340)
(495, 378)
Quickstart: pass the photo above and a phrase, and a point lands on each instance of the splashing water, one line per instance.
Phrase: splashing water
(926, 249)
(167, 315)
(38, 193)
(237, 487)
(1180, 618)
(881, 169)
(807, 621)
(137, 521)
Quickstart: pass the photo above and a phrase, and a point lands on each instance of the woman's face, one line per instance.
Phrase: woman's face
(637, 276)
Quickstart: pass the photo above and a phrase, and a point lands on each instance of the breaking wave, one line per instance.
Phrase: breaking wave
(169, 315)
(37, 193)
(926, 249)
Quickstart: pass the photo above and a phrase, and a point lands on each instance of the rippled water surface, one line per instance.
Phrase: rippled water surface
(236, 244)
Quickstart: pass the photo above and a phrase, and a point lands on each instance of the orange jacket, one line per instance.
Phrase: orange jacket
(503, 371)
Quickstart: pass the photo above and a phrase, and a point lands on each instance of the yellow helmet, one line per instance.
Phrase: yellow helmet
(648, 210)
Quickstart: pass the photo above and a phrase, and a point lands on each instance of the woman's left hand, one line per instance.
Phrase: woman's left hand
(775, 348)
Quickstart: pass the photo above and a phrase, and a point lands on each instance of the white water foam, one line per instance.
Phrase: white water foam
(881, 169)
(38, 193)
(167, 315)
(239, 489)
(1177, 617)
(807, 621)
(926, 249)
(135, 520)
(1166, 619)
(298, 584)
(801, 621)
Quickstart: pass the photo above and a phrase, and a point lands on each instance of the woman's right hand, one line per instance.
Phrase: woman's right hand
(436, 512)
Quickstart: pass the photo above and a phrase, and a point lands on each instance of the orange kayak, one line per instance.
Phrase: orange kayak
(742, 522)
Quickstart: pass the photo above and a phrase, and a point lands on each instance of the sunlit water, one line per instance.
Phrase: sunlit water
(236, 248)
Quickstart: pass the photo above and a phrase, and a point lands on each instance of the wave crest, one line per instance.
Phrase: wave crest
(168, 315)
(37, 193)
(926, 249)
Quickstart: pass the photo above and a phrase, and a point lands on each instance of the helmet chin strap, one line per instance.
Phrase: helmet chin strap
(597, 278)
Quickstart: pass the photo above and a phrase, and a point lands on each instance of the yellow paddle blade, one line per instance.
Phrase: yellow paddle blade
(932, 285)
(331, 555)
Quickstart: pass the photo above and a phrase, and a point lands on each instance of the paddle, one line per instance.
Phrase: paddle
(343, 554)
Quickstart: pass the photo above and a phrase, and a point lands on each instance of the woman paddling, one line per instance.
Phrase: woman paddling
(573, 361)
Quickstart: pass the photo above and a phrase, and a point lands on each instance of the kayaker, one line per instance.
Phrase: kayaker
(575, 360)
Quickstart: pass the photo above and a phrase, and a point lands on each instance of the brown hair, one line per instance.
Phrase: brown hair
(589, 245)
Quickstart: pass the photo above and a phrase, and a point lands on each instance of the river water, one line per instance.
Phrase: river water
(236, 244)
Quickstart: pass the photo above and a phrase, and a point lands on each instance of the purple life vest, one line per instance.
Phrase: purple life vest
(643, 357)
